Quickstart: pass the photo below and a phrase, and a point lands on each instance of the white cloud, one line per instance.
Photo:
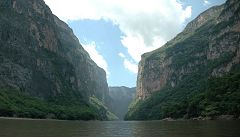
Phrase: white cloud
(146, 24)
(206, 2)
(121, 55)
(136, 46)
(91, 48)
(129, 65)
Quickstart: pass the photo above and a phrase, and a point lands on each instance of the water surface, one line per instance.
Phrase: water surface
(46, 128)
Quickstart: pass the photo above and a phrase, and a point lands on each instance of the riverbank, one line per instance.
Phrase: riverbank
(32, 119)
(200, 118)
(215, 118)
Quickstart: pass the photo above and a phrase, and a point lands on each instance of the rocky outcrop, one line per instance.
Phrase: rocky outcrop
(210, 14)
(40, 55)
(121, 97)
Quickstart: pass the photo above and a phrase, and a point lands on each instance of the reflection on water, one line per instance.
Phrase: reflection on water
(45, 128)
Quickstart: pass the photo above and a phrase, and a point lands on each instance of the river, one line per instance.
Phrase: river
(51, 128)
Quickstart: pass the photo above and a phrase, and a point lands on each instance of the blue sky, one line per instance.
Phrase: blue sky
(116, 33)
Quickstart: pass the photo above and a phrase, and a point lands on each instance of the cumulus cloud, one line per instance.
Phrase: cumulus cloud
(146, 24)
(206, 2)
(121, 55)
(128, 64)
(91, 48)
(132, 67)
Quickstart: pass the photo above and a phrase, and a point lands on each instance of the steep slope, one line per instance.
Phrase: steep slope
(181, 78)
(42, 60)
(121, 98)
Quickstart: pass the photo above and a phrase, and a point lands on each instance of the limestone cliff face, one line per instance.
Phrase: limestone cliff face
(121, 97)
(40, 55)
(208, 45)
(196, 74)
(88, 76)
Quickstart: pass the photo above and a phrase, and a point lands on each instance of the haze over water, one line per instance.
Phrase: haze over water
(46, 128)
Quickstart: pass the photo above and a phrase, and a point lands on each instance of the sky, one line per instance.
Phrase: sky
(116, 33)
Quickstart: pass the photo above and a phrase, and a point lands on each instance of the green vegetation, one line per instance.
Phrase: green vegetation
(102, 110)
(16, 104)
(220, 96)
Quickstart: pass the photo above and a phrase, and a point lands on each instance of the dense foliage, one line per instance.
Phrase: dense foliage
(16, 104)
(220, 96)
(102, 110)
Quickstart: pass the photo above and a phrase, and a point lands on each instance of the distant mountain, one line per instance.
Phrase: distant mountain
(121, 99)
(44, 71)
(196, 74)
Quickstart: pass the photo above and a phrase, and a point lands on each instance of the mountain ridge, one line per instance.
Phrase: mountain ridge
(121, 97)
